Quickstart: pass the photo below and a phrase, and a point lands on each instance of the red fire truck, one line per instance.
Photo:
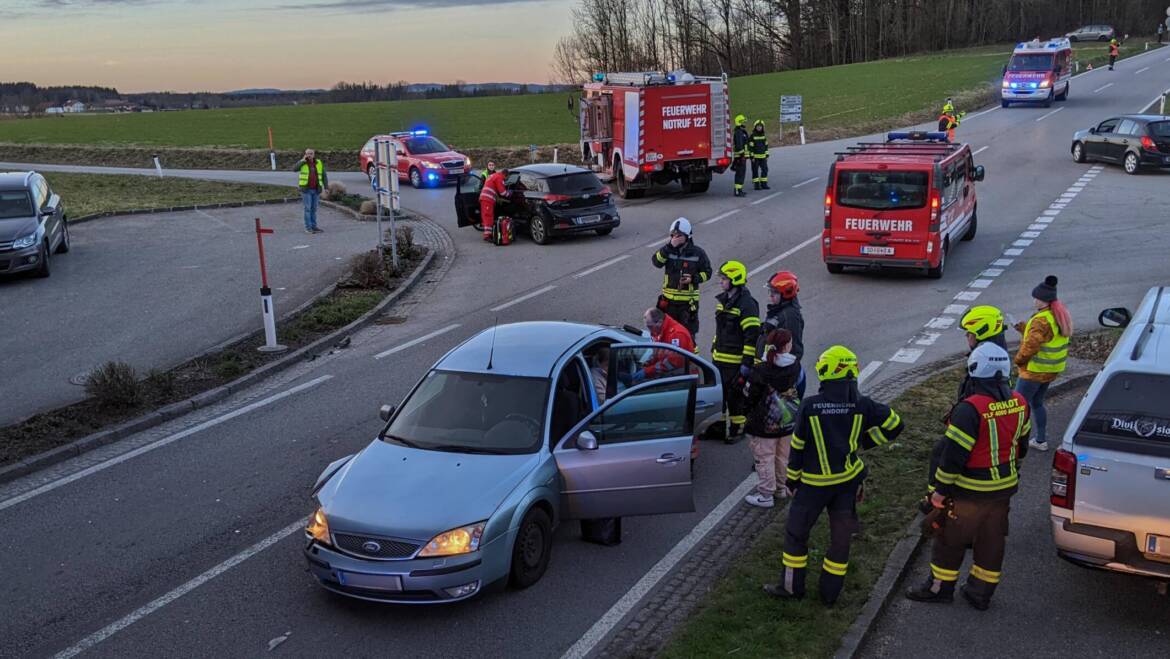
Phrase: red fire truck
(654, 128)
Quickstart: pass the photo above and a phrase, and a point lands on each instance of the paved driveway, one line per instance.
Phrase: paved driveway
(154, 290)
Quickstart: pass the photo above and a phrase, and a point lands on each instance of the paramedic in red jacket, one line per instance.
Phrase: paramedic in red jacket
(665, 363)
(493, 191)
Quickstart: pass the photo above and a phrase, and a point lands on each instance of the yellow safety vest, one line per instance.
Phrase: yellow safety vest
(1052, 355)
(303, 176)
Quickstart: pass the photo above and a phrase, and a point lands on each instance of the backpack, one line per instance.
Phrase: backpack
(780, 413)
(502, 231)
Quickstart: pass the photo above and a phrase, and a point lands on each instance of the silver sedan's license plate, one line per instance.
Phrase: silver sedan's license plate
(387, 582)
(589, 219)
(1158, 545)
(872, 250)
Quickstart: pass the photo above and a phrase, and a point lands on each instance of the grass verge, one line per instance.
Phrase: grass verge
(739, 619)
(118, 394)
(89, 194)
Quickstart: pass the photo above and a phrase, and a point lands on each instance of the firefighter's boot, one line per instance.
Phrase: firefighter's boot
(978, 592)
(764, 185)
(791, 584)
(832, 581)
(934, 591)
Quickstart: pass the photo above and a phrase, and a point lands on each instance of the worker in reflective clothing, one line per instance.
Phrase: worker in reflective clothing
(1043, 353)
(494, 191)
(687, 267)
(1114, 52)
(949, 119)
(737, 331)
(825, 471)
(740, 154)
(759, 152)
(986, 435)
(784, 313)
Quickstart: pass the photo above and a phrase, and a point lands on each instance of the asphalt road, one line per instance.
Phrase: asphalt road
(155, 290)
(192, 548)
(1066, 610)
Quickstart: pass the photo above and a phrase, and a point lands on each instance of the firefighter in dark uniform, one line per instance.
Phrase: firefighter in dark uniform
(737, 330)
(825, 472)
(759, 151)
(740, 154)
(987, 433)
(687, 267)
(784, 312)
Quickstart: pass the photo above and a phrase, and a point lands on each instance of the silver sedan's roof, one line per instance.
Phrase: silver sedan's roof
(529, 349)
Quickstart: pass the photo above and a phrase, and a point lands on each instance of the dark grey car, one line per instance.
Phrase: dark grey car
(32, 224)
(1132, 141)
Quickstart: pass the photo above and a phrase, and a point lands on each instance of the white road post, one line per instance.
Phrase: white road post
(272, 159)
(266, 308)
(555, 154)
(157, 166)
(1162, 105)
(802, 142)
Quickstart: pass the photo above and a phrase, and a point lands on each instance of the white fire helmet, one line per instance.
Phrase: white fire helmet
(988, 361)
(681, 225)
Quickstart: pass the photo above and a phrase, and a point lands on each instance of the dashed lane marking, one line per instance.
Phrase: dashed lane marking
(980, 150)
(414, 342)
(771, 196)
(1049, 114)
(524, 298)
(803, 183)
(1102, 88)
(1002, 263)
(907, 355)
(980, 283)
(1141, 70)
(1013, 251)
(599, 266)
(771, 262)
(722, 216)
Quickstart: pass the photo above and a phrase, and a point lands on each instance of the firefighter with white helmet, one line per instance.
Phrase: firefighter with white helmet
(686, 268)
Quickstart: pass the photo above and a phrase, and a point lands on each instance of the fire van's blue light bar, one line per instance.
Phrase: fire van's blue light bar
(599, 77)
(420, 131)
(917, 135)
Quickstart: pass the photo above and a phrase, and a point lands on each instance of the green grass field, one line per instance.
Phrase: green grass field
(87, 194)
(840, 97)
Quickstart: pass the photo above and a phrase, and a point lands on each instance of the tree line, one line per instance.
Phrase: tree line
(744, 37)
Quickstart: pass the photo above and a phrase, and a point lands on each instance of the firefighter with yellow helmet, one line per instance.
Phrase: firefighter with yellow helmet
(826, 473)
(737, 329)
(740, 153)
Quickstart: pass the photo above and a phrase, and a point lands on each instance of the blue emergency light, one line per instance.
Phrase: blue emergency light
(419, 132)
(917, 136)
(599, 77)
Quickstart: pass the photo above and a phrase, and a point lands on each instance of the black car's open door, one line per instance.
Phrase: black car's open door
(467, 200)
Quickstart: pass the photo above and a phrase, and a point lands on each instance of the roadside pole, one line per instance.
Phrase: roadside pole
(157, 166)
(270, 344)
(385, 185)
(791, 112)
(271, 150)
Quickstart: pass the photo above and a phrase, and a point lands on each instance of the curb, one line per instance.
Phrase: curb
(904, 554)
(209, 397)
(180, 209)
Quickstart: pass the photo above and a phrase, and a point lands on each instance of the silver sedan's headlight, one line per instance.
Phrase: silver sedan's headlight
(26, 241)
(462, 540)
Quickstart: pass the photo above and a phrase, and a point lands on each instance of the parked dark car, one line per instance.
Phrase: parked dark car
(32, 224)
(1133, 141)
(549, 199)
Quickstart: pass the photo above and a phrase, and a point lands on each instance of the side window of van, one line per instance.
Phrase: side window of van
(952, 182)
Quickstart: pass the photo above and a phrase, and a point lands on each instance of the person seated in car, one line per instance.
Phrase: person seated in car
(599, 371)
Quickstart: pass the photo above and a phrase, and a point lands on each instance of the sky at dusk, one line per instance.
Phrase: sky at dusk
(221, 45)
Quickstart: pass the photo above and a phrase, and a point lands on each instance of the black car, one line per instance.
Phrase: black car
(32, 224)
(1132, 140)
(550, 199)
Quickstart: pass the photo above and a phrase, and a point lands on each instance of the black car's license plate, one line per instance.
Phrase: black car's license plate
(589, 219)
(387, 582)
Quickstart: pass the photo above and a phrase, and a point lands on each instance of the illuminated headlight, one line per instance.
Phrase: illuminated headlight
(431, 165)
(467, 162)
(462, 540)
(1043, 84)
(1007, 84)
(318, 527)
(27, 241)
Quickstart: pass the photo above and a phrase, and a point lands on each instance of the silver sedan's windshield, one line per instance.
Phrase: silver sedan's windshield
(473, 413)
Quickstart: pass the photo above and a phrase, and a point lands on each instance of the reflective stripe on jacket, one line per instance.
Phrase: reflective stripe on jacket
(737, 328)
(831, 428)
(689, 259)
(1053, 353)
(986, 439)
(303, 174)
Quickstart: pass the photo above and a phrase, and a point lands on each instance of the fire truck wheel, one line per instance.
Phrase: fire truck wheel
(699, 187)
(937, 272)
(623, 186)
(835, 268)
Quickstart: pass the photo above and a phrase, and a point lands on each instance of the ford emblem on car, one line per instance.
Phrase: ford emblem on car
(371, 547)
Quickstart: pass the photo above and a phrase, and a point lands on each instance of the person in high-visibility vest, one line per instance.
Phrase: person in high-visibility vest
(312, 179)
(1042, 354)
(1114, 51)
(948, 120)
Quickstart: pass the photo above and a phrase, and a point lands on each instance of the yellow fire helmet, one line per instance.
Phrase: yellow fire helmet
(735, 271)
(740, 119)
(983, 321)
(836, 363)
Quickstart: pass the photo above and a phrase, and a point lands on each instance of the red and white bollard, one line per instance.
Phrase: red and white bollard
(270, 344)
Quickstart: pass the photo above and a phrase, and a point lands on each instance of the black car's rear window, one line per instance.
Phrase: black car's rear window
(15, 203)
(573, 184)
(1132, 412)
(1159, 129)
(881, 190)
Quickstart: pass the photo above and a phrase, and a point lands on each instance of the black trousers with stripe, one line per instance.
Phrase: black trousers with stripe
(981, 524)
(803, 513)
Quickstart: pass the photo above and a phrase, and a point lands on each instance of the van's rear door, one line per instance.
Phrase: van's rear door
(879, 213)
(1123, 461)
(677, 122)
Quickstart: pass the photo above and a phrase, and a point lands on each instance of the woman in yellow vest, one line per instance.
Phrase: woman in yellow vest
(1042, 354)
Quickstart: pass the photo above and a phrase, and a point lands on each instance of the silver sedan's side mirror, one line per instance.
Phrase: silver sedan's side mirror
(587, 441)
(386, 411)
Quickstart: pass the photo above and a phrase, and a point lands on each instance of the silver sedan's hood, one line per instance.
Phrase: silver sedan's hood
(390, 490)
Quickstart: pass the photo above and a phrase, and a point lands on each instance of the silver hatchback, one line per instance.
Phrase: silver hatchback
(1091, 33)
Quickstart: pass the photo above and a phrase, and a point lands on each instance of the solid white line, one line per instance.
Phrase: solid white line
(523, 298)
(1149, 105)
(1141, 70)
(769, 263)
(980, 114)
(868, 371)
(981, 150)
(614, 615)
(1049, 114)
(170, 439)
(414, 342)
(599, 266)
(1102, 88)
(657, 243)
(721, 216)
(771, 196)
(815, 178)
(147, 609)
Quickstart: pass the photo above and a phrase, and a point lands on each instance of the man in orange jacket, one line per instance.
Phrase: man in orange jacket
(491, 194)
(664, 329)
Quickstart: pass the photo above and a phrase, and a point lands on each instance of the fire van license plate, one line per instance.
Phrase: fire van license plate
(871, 250)
(387, 582)
(1158, 546)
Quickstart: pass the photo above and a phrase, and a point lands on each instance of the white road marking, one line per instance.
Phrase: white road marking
(1051, 213)
(300, 247)
(147, 609)
(1013, 252)
(1037, 227)
(414, 342)
(980, 283)
(169, 439)
(1058, 207)
(1045, 220)
(523, 298)
(1030, 234)
(1049, 114)
(722, 216)
(868, 371)
(955, 309)
(968, 296)
(599, 266)
(1141, 70)
(1152, 103)
(981, 150)
(991, 272)
(656, 243)
(815, 178)
(1022, 243)
(614, 615)
(927, 339)
(940, 323)
(771, 262)
(980, 114)
(907, 355)
(771, 196)
(1003, 263)
(1102, 88)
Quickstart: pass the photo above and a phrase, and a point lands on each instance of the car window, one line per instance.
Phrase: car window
(1130, 410)
(15, 203)
(630, 365)
(571, 400)
(575, 184)
(1127, 127)
(1030, 62)
(1107, 126)
(470, 183)
(369, 146)
(423, 145)
(40, 192)
(1159, 129)
(656, 412)
(512, 180)
(881, 190)
(528, 182)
